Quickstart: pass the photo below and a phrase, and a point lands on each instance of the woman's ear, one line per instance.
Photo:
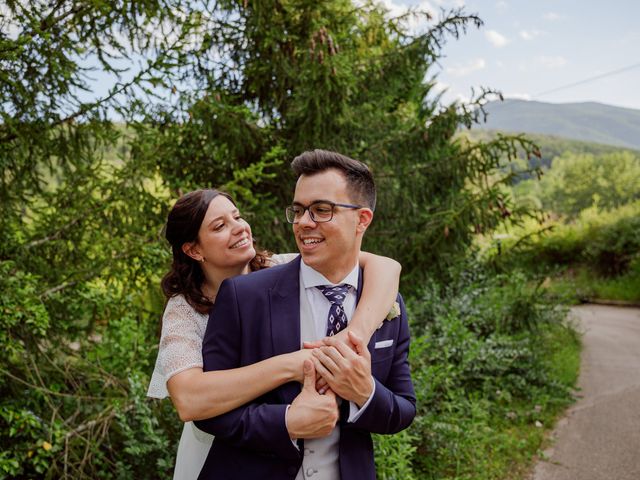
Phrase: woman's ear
(192, 250)
(365, 216)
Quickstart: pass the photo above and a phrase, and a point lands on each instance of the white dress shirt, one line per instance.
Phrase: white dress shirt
(320, 307)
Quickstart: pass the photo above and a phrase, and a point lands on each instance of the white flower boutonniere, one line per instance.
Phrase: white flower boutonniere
(393, 313)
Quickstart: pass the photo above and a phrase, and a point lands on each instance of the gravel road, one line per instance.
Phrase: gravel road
(599, 438)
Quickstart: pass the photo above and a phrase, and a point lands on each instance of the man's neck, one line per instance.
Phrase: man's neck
(335, 275)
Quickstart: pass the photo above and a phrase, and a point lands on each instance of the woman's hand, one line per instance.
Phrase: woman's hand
(296, 363)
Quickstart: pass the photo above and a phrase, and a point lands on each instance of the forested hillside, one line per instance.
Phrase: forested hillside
(589, 121)
(586, 240)
(550, 146)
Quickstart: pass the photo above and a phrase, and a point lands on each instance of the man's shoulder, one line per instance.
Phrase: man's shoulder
(265, 278)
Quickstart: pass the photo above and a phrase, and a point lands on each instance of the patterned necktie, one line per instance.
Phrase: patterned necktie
(337, 319)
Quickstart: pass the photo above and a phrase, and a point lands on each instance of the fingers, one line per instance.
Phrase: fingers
(323, 371)
(321, 385)
(361, 348)
(316, 344)
(309, 376)
(346, 349)
(330, 358)
(330, 393)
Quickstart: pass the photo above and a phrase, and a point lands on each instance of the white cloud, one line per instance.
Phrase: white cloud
(530, 34)
(552, 16)
(450, 3)
(496, 39)
(416, 24)
(502, 5)
(461, 98)
(395, 9)
(463, 70)
(553, 61)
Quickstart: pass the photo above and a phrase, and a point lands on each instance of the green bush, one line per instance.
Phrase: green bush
(484, 374)
(604, 240)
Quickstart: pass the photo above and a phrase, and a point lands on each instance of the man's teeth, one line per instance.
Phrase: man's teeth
(241, 243)
(310, 241)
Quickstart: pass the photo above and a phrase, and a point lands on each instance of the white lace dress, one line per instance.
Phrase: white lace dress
(180, 349)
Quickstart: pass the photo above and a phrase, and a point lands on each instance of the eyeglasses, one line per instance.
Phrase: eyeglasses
(321, 211)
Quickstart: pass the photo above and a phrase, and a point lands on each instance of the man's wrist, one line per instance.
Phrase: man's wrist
(364, 398)
(294, 440)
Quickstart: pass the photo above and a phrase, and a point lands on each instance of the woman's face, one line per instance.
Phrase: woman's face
(224, 238)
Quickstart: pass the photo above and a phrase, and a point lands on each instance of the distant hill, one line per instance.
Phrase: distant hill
(589, 121)
(551, 146)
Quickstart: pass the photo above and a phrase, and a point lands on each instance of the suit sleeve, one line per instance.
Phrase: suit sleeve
(256, 426)
(393, 405)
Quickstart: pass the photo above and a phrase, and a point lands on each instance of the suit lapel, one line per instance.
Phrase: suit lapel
(284, 300)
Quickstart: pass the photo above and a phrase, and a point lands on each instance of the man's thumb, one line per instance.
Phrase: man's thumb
(309, 375)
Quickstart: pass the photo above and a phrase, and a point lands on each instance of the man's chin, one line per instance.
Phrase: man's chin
(310, 258)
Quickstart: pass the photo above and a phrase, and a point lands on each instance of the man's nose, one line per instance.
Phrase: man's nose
(306, 221)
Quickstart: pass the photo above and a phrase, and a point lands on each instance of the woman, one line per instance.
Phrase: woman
(210, 242)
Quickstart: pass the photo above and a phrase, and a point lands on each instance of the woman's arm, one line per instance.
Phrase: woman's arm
(198, 395)
(380, 286)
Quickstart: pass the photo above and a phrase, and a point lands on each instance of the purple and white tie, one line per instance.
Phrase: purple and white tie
(337, 320)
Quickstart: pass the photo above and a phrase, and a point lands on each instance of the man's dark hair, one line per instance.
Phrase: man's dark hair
(359, 179)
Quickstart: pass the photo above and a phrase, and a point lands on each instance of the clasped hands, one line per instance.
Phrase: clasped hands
(342, 364)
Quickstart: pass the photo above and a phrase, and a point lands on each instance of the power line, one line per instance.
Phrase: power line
(587, 80)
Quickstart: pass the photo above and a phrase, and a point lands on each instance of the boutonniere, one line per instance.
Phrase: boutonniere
(393, 313)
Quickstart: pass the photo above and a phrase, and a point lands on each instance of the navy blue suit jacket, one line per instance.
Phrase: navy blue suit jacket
(257, 316)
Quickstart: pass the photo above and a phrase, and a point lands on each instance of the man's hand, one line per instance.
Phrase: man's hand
(347, 372)
(312, 415)
(341, 337)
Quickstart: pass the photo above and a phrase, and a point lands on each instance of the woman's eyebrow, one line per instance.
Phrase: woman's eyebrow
(233, 212)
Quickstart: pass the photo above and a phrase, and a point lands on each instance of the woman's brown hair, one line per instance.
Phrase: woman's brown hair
(183, 224)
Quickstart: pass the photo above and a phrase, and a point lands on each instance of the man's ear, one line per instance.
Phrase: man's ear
(365, 216)
(192, 250)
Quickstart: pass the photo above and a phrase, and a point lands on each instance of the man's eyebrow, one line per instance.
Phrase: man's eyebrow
(315, 201)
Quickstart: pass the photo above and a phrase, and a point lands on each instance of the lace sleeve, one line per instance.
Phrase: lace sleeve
(282, 258)
(180, 344)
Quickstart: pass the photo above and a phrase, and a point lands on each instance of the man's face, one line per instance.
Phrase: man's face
(332, 247)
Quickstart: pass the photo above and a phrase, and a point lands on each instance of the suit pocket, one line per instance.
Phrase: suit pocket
(382, 351)
(383, 344)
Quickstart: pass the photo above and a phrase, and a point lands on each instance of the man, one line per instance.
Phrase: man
(289, 433)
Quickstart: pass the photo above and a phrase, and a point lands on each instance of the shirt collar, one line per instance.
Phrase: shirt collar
(312, 278)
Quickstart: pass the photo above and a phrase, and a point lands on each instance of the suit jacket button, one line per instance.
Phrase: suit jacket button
(292, 471)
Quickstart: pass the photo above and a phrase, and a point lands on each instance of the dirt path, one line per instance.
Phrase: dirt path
(599, 439)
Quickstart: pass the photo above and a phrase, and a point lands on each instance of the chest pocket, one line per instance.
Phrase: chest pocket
(383, 349)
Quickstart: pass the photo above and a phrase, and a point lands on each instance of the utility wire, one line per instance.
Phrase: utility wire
(587, 80)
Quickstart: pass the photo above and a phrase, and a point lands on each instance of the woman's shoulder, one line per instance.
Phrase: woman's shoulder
(282, 258)
(177, 305)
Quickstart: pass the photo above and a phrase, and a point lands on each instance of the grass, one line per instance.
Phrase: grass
(500, 439)
(580, 284)
(562, 347)
(524, 441)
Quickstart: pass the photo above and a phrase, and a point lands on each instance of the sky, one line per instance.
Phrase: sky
(527, 48)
